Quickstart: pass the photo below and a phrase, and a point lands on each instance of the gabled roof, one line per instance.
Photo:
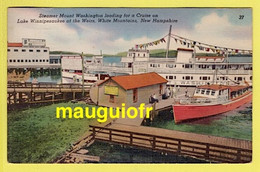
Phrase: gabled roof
(14, 44)
(129, 82)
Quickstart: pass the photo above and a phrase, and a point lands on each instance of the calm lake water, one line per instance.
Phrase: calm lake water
(233, 124)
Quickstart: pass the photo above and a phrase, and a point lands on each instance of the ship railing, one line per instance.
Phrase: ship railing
(110, 68)
(199, 71)
(198, 101)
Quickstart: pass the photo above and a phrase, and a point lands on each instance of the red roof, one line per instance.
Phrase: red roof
(222, 87)
(129, 82)
(14, 44)
(184, 49)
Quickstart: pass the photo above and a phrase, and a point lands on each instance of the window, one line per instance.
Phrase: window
(30, 50)
(151, 65)
(18, 60)
(135, 96)
(23, 50)
(202, 91)
(239, 78)
(14, 60)
(40, 60)
(29, 60)
(204, 78)
(166, 77)
(47, 60)
(21, 60)
(45, 50)
(15, 50)
(36, 60)
(170, 77)
(207, 92)
(32, 60)
(8, 50)
(38, 51)
(10, 60)
(111, 98)
(213, 93)
(25, 60)
(250, 77)
(197, 91)
(43, 60)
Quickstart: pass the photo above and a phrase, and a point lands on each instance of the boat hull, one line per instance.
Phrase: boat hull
(186, 112)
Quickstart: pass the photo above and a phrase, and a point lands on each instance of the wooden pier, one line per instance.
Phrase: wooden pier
(129, 132)
(209, 148)
(29, 93)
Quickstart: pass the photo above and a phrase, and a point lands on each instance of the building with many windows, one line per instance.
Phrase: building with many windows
(30, 53)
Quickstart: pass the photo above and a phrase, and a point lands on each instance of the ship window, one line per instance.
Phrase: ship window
(250, 77)
(202, 91)
(204, 78)
(15, 50)
(220, 92)
(38, 50)
(10, 60)
(18, 60)
(166, 77)
(208, 78)
(21, 60)
(36, 60)
(239, 78)
(43, 60)
(213, 93)
(25, 60)
(30, 50)
(32, 60)
(29, 60)
(174, 77)
(23, 50)
(170, 77)
(197, 91)
(14, 60)
(151, 65)
(8, 50)
(40, 60)
(187, 78)
(45, 51)
(47, 60)
(207, 92)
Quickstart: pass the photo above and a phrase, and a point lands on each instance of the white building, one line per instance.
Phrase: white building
(31, 53)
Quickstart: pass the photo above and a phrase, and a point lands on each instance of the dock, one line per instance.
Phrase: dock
(129, 132)
(33, 93)
(204, 147)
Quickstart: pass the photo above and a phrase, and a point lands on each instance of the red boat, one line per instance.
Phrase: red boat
(211, 100)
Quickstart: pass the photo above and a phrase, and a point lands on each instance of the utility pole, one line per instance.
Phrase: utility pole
(83, 69)
(168, 43)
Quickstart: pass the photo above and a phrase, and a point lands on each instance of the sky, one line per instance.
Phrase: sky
(215, 26)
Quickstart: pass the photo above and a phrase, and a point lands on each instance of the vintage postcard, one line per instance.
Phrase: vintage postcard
(131, 85)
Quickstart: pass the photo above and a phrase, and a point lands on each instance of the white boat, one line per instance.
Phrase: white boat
(186, 69)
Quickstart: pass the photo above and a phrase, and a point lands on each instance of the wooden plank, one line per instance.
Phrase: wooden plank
(85, 157)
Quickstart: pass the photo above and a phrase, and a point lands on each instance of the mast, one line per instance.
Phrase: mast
(168, 42)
